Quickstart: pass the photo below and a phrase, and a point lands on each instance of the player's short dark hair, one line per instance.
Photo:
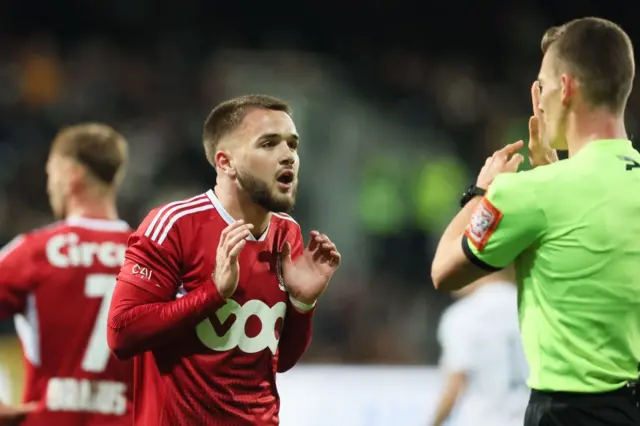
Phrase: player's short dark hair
(98, 147)
(600, 54)
(228, 115)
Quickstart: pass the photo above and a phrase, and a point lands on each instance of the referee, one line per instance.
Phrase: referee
(571, 227)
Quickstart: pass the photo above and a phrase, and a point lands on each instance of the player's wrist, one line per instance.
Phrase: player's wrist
(303, 305)
(214, 291)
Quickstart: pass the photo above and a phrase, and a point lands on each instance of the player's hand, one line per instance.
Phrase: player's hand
(308, 277)
(11, 415)
(540, 152)
(506, 160)
(227, 269)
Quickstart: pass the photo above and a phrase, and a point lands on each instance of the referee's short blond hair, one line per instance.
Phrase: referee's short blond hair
(600, 55)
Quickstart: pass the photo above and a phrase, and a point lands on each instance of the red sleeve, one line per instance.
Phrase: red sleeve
(152, 264)
(16, 276)
(138, 322)
(298, 326)
(146, 312)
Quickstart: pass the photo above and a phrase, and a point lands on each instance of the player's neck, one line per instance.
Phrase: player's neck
(582, 129)
(103, 208)
(240, 206)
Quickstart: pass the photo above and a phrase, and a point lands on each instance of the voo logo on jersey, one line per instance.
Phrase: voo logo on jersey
(236, 336)
(66, 250)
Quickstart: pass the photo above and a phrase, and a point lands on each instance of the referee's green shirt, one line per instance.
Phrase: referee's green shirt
(573, 230)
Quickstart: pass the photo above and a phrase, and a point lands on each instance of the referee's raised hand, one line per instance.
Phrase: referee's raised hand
(227, 272)
(505, 160)
(540, 152)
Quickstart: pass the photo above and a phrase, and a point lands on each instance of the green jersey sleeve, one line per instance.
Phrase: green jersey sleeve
(506, 222)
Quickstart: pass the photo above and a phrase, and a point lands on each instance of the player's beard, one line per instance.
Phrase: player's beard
(259, 192)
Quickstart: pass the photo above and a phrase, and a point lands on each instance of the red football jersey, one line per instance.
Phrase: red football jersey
(222, 371)
(58, 282)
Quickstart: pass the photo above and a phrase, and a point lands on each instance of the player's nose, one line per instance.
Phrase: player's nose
(288, 158)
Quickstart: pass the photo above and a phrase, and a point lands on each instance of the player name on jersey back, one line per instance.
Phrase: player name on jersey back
(98, 396)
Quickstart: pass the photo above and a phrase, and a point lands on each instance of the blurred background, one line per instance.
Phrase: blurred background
(398, 104)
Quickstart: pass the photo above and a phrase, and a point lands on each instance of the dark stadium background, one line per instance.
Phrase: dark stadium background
(398, 103)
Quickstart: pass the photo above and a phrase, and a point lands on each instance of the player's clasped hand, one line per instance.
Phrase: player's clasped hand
(308, 276)
(227, 270)
(506, 160)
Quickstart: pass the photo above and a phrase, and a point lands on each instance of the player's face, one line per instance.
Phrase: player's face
(57, 184)
(64, 176)
(554, 110)
(267, 162)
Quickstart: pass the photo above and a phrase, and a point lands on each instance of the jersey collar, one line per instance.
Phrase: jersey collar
(226, 216)
(98, 224)
(608, 143)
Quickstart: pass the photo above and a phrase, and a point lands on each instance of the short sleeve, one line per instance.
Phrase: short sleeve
(457, 344)
(16, 275)
(152, 263)
(506, 222)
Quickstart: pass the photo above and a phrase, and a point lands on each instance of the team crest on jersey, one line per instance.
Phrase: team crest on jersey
(484, 222)
(279, 274)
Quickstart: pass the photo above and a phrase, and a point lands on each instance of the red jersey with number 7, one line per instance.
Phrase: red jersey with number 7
(57, 282)
(219, 370)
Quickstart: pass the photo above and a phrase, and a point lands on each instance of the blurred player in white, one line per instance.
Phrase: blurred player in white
(483, 363)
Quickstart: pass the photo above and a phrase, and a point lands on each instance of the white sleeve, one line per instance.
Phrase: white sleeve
(457, 342)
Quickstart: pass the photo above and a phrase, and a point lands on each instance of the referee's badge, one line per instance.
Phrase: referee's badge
(484, 222)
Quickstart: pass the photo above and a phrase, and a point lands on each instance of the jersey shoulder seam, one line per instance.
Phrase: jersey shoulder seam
(167, 215)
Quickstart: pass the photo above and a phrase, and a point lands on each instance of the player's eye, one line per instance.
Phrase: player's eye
(293, 144)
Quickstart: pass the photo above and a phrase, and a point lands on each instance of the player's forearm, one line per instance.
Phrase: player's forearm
(445, 267)
(441, 415)
(295, 339)
(444, 408)
(454, 385)
(139, 323)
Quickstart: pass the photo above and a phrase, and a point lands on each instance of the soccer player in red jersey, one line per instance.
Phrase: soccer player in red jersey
(217, 292)
(58, 283)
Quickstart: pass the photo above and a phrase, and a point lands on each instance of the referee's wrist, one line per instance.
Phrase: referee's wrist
(472, 192)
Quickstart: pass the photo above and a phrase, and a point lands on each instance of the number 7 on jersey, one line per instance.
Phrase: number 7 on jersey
(97, 353)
